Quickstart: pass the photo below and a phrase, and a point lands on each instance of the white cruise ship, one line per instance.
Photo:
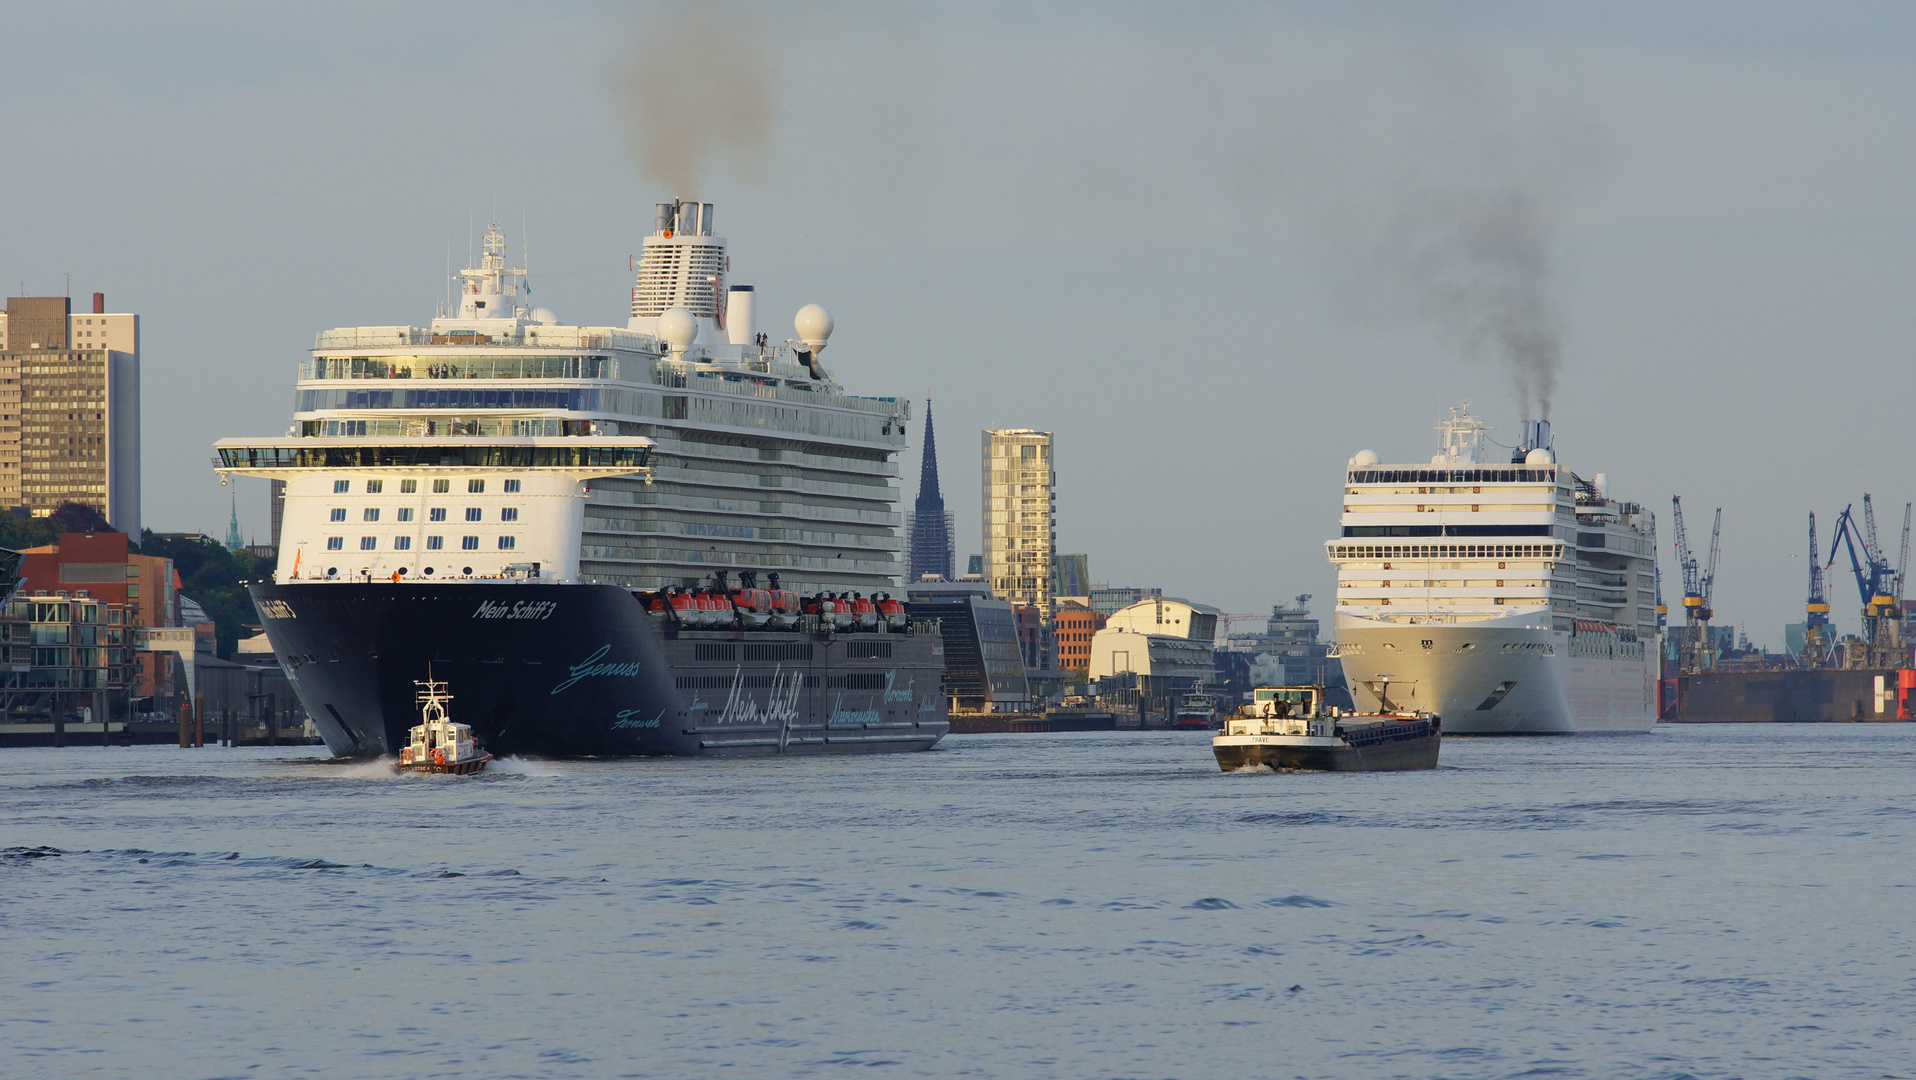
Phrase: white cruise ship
(1508, 596)
(570, 524)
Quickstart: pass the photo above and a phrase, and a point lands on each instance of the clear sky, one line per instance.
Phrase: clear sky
(1217, 249)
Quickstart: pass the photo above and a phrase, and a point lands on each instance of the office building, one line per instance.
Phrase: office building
(1073, 626)
(1020, 499)
(1154, 651)
(984, 671)
(70, 408)
(1108, 601)
(928, 526)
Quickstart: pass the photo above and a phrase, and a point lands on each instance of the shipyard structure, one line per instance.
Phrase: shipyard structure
(1867, 676)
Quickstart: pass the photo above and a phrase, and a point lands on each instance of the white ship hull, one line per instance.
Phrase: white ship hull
(1501, 676)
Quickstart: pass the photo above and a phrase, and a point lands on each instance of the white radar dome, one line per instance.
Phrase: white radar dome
(814, 325)
(1364, 458)
(678, 329)
(545, 317)
(1540, 456)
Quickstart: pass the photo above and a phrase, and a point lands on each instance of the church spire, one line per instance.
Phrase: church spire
(234, 541)
(928, 534)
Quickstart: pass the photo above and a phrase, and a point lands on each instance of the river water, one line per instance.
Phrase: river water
(1729, 901)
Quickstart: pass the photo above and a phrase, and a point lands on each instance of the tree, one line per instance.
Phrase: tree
(79, 517)
(19, 533)
(215, 578)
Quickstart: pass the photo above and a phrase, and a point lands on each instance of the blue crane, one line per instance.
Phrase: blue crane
(1878, 584)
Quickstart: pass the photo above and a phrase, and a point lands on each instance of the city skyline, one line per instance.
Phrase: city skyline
(1729, 238)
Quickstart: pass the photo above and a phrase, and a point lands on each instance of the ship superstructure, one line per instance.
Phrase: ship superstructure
(1507, 594)
(759, 459)
(531, 508)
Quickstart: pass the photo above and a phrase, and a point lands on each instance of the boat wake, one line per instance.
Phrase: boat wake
(518, 766)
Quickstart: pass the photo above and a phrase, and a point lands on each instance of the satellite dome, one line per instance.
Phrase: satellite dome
(678, 329)
(1540, 456)
(1364, 458)
(544, 316)
(814, 325)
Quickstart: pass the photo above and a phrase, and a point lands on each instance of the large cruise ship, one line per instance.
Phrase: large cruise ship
(673, 536)
(1508, 596)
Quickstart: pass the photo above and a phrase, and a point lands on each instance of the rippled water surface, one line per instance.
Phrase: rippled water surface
(1722, 901)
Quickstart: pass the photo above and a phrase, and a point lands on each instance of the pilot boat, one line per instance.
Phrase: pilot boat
(436, 744)
(1288, 728)
(1198, 710)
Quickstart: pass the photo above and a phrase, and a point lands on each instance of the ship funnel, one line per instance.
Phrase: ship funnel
(741, 315)
(1536, 436)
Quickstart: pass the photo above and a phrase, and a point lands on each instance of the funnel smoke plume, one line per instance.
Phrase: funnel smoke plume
(1476, 265)
(696, 84)
(1451, 218)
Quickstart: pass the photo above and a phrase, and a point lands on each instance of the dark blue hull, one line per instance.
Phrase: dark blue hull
(584, 670)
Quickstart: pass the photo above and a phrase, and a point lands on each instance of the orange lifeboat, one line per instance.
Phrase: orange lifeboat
(864, 613)
(893, 613)
(684, 607)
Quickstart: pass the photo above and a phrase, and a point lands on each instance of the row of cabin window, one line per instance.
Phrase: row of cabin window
(408, 487)
(436, 513)
(404, 543)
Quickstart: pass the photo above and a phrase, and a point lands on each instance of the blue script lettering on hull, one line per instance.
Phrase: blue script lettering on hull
(842, 715)
(629, 718)
(591, 667)
(892, 694)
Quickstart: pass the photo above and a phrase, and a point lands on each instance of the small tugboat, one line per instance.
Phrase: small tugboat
(437, 745)
(1198, 709)
(1286, 727)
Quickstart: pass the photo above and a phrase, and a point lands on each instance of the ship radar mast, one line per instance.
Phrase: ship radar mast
(1463, 437)
(492, 289)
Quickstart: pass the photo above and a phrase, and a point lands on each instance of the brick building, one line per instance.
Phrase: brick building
(1075, 623)
(74, 627)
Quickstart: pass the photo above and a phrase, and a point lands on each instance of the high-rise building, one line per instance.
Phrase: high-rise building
(70, 408)
(1071, 575)
(1020, 500)
(928, 528)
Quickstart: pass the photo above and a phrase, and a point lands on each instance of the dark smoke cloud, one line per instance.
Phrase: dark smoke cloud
(696, 84)
(1476, 266)
(1443, 199)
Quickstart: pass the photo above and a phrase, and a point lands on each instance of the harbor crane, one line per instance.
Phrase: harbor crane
(1694, 653)
(1878, 584)
(1816, 625)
